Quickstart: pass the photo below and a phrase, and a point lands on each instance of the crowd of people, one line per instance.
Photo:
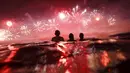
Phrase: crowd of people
(59, 38)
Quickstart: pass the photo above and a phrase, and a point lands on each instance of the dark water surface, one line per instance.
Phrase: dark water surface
(64, 57)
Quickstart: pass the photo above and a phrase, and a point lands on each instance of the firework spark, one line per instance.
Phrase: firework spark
(5, 35)
(25, 30)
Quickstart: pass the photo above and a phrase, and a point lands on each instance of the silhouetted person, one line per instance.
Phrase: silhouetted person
(81, 36)
(71, 37)
(57, 37)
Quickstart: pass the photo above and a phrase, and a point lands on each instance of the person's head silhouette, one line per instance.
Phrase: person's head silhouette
(57, 33)
(57, 37)
(71, 37)
(81, 35)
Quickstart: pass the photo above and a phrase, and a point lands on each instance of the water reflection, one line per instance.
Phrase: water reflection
(5, 69)
(77, 57)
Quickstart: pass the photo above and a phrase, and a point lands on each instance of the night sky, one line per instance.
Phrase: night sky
(13, 7)
(16, 9)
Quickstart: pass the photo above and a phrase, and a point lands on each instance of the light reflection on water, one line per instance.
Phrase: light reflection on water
(81, 63)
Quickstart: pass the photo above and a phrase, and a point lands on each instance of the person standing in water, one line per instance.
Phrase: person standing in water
(81, 36)
(71, 37)
(57, 37)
